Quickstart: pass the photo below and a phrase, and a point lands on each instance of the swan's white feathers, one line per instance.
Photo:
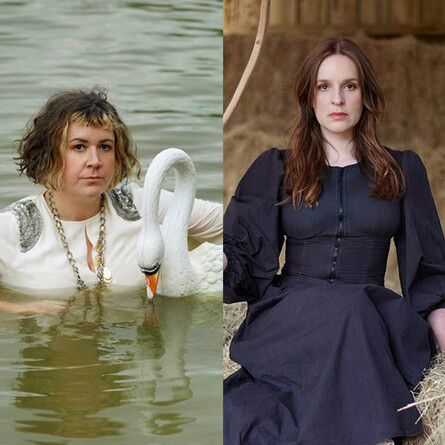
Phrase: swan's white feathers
(207, 258)
(202, 275)
(182, 273)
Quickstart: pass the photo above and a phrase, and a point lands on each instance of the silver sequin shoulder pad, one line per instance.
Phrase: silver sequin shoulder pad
(29, 220)
(123, 203)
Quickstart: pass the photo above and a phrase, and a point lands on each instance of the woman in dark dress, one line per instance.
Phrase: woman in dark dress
(328, 353)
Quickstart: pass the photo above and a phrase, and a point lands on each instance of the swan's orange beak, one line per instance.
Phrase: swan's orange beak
(151, 283)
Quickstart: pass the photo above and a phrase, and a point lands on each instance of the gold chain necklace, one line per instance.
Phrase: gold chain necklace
(103, 273)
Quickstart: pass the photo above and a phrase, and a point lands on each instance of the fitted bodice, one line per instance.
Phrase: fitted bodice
(340, 239)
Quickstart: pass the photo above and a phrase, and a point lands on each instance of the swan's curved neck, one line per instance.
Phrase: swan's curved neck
(175, 225)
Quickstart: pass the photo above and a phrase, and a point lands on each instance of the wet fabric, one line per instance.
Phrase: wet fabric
(328, 353)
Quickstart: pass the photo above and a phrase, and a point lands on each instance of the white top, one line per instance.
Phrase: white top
(32, 255)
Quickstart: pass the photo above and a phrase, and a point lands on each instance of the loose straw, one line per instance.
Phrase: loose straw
(421, 401)
(262, 26)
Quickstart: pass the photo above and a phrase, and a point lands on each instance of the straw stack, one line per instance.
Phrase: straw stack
(431, 405)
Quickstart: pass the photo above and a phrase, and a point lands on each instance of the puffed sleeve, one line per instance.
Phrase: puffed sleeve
(252, 230)
(419, 241)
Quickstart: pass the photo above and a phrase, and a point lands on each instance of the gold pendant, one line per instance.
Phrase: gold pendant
(107, 275)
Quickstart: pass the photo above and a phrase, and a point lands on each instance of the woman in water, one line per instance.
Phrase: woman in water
(328, 354)
(82, 229)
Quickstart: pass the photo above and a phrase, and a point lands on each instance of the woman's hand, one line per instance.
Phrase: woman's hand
(34, 307)
(224, 261)
(436, 319)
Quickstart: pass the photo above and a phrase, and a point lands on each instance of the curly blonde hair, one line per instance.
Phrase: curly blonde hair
(41, 151)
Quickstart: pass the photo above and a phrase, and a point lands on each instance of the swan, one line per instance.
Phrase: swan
(164, 249)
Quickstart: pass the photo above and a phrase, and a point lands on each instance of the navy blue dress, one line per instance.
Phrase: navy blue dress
(328, 354)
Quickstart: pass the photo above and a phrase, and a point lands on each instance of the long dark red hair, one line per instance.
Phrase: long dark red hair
(307, 162)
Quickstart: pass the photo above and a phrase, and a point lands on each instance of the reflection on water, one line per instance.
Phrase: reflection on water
(81, 374)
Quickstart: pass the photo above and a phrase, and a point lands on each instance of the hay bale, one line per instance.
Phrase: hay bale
(431, 404)
(233, 315)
